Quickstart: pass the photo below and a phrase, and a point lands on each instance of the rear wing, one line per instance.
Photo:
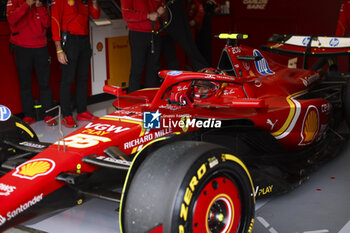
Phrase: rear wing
(308, 45)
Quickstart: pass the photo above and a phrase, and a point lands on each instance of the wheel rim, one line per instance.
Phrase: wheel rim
(218, 207)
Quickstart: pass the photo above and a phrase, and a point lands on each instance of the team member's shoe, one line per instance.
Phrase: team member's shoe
(50, 121)
(29, 120)
(86, 116)
(69, 122)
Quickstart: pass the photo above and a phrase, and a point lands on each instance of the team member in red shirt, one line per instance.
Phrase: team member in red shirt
(70, 28)
(28, 20)
(344, 19)
(145, 46)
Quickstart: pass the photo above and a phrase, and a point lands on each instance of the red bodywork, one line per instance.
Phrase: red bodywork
(263, 92)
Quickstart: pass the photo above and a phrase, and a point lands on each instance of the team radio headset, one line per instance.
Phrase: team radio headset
(165, 24)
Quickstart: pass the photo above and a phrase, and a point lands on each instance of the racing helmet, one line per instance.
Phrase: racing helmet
(204, 89)
(210, 71)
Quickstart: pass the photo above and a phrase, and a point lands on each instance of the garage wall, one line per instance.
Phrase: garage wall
(258, 18)
(261, 18)
(9, 84)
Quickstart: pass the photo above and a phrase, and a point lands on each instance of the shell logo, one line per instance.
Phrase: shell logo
(310, 126)
(99, 46)
(34, 168)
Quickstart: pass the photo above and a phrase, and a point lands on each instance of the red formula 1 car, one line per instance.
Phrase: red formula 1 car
(190, 156)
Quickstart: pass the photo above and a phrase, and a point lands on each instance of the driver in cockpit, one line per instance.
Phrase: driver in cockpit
(203, 89)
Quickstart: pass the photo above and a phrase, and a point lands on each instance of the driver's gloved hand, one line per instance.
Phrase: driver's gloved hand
(178, 98)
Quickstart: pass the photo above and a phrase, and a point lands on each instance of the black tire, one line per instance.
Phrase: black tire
(14, 130)
(189, 187)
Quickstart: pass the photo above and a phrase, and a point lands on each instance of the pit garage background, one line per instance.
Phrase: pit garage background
(111, 57)
(320, 205)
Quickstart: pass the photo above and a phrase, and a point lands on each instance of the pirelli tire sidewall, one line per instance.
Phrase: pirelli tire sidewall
(15, 128)
(156, 192)
(215, 163)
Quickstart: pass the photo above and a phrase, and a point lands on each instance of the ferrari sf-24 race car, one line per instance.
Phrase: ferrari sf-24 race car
(190, 156)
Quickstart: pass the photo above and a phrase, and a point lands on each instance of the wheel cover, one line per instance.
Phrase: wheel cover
(218, 207)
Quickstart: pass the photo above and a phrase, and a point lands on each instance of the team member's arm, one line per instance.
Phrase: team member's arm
(94, 9)
(343, 23)
(130, 14)
(57, 9)
(56, 25)
(43, 13)
(16, 11)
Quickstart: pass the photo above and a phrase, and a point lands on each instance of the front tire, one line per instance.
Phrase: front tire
(14, 130)
(189, 187)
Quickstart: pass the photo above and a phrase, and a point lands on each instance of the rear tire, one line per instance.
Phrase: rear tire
(189, 187)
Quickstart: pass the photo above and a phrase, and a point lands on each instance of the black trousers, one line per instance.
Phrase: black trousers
(78, 51)
(143, 59)
(26, 59)
(204, 40)
(179, 29)
(169, 52)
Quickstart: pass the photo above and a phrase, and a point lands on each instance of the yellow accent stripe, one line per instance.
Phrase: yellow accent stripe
(290, 115)
(233, 36)
(210, 205)
(149, 89)
(134, 150)
(19, 125)
(142, 132)
(237, 160)
(127, 121)
(121, 119)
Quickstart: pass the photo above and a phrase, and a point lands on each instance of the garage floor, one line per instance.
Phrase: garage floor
(320, 205)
